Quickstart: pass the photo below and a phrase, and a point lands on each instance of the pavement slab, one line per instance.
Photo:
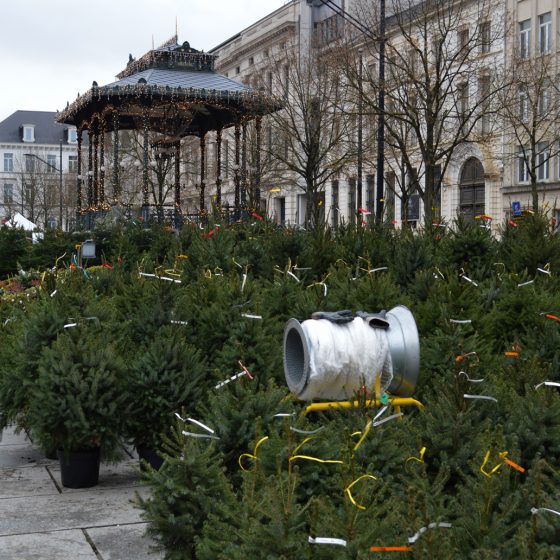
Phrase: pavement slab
(9, 437)
(124, 541)
(58, 545)
(95, 508)
(18, 455)
(20, 482)
(111, 475)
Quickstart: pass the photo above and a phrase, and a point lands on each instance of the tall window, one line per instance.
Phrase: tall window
(8, 162)
(484, 98)
(73, 164)
(334, 204)
(544, 98)
(485, 37)
(28, 133)
(543, 160)
(8, 193)
(352, 200)
(463, 38)
(370, 191)
(51, 161)
(389, 205)
(523, 103)
(436, 210)
(522, 167)
(29, 164)
(545, 32)
(472, 189)
(463, 103)
(525, 38)
(280, 207)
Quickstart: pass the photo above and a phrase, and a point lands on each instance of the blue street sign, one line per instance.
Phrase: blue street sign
(516, 208)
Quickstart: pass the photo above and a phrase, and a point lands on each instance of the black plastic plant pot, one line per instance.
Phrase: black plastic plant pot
(150, 455)
(79, 469)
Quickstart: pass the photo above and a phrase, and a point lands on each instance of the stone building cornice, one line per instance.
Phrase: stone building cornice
(233, 58)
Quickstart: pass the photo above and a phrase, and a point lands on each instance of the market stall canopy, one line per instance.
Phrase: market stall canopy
(20, 221)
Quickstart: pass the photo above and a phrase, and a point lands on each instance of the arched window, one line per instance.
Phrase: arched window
(471, 189)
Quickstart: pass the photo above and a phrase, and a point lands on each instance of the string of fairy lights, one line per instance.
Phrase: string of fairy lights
(150, 107)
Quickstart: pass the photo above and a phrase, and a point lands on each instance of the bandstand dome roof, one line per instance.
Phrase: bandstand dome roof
(174, 87)
(183, 79)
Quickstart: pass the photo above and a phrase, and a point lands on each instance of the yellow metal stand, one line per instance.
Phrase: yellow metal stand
(395, 402)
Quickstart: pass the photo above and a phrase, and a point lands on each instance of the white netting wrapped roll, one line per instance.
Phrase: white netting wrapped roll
(332, 361)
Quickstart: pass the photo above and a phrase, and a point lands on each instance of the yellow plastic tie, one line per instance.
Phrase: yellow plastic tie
(364, 434)
(485, 461)
(253, 455)
(420, 458)
(348, 489)
(308, 457)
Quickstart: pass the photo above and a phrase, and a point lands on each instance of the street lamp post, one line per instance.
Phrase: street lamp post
(360, 133)
(60, 198)
(381, 119)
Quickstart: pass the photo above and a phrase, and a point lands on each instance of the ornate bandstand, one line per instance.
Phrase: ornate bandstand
(170, 93)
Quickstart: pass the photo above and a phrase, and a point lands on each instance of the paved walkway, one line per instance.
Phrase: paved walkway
(42, 520)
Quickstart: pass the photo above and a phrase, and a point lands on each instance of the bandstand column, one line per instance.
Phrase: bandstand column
(237, 175)
(90, 170)
(102, 129)
(79, 178)
(96, 165)
(145, 186)
(219, 169)
(258, 127)
(202, 172)
(244, 166)
(177, 204)
(116, 186)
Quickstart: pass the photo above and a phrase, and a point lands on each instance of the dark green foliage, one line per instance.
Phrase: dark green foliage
(13, 247)
(203, 504)
(189, 487)
(242, 410)
(532, 244)
(168, 375)
(469, 246)
(53, 245)
(77, 401)
(31, 334)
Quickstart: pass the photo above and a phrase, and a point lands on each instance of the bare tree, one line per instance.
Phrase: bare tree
(530, 110)
(37, 190)
(441, 79)
(311, 133)
(160, 171)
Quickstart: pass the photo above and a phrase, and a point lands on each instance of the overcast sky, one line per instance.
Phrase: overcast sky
(53, 49)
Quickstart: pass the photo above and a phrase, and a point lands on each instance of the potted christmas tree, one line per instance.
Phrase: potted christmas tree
(168, 376)
(76, 404)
